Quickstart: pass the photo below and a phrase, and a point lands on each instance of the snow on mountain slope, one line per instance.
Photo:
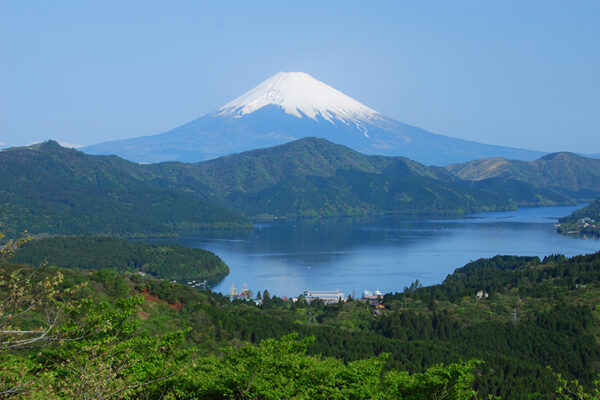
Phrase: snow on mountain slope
(299, 94)
(294, 105)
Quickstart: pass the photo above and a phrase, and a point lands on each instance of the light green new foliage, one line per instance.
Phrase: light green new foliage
(573, 390)
(53, 346)
(8, 248)
(111, 360)
(280, 369)
(96, 350)
(98, 354)
(58, 344)
(451, 382)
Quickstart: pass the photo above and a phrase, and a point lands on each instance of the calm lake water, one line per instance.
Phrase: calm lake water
(385, 253)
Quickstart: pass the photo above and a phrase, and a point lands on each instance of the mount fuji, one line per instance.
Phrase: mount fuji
(293, 105)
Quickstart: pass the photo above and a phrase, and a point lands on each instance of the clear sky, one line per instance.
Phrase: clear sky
(523, 73)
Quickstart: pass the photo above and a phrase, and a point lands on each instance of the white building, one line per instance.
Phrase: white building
(328, 297)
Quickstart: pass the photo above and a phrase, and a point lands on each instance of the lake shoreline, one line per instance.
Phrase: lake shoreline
(287, 257)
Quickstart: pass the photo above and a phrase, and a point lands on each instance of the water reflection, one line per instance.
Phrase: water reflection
(385, 253)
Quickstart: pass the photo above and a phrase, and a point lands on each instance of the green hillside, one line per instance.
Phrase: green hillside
(50, 189)
(360, 193)
(524, 194)
(314, 177)
(538, 313)
(567, 173)
(167, 261)
(256, 170)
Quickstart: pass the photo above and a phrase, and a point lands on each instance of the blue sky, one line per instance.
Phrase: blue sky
(521, 73)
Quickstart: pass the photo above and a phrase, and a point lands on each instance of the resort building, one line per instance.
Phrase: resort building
(328, 297)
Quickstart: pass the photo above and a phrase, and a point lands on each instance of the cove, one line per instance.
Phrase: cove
(387, 253)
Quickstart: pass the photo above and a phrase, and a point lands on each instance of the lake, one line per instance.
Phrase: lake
(287, 257)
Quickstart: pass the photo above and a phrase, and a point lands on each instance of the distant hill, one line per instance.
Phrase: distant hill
(567, 173)
(293, 105)
(524, 194)
(314, 177)
(255, 170)
(311, 177)
(46, 188)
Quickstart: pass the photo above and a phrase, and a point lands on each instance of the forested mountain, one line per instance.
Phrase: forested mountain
(585, 221)
(537, 313)
(255, 170)
(167, 261)
(311, 177)
(525, 194)
(566, 173)
(49, 189)
(46, 188)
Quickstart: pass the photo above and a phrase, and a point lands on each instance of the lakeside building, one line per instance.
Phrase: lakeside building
(374, 298)
(328, 297)
(586, 222)
(243, 295)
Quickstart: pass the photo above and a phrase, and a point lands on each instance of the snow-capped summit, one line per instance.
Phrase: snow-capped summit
(299, 94)
(294, 105)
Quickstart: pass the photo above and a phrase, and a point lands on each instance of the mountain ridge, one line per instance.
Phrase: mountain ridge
(562, 169)
(291, 106)
(305, 157)
(64, 191)
(46, 188)
(311, 174)
(314, 177)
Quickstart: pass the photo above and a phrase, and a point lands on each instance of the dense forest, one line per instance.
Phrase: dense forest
(167, 261)
(48, 189)
(312, 176)
(536, 330)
